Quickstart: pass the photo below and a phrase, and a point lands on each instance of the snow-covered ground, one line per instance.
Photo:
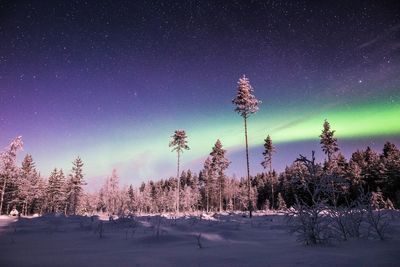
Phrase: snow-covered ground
(225, 240)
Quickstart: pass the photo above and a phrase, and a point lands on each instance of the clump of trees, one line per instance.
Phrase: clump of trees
(23, 188)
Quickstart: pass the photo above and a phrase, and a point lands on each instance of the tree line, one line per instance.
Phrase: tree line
(23, 188)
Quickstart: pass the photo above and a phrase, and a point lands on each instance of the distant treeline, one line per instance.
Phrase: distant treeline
(23, 188)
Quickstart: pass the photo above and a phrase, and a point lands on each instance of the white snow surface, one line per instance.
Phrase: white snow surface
(168, 240)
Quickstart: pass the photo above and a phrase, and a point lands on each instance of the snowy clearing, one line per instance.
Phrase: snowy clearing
(225, 240)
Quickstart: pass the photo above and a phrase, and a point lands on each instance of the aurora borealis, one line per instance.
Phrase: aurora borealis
(111, 80)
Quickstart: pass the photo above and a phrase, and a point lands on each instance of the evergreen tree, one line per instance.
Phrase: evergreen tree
(74, 186)
(131, 199)
(390, 178)
(111, 191)
(246, 104)
(178, 144)
(8, 169)
(207, 178)
(268, 150)
(52, 191)
(219, 163)
(328, 141)
(28, 185)
(281, 202)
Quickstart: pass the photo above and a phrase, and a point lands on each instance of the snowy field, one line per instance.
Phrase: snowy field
(222, 240)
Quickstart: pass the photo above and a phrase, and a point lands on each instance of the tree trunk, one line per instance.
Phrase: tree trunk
(2, 195)
(207, 200)
(220, 197)
(272, 182)
(250, 206)
(273, 197)
(179, 185)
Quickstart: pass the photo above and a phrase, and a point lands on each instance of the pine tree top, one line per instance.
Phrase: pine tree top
(268, 146)
(179, 141)
(328, 140)
(245, 102)
(218, 159)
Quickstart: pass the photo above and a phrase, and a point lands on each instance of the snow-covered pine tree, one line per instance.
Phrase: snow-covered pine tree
(328, 141)
(390, 181)
(269, 149)
(246, 104)
(74, 186)
(281, 202)
(27, 183)
(8, 168)
(207, 177)
(55, 191)
(219, 163)
(112, 192)
(178, 144)
(131, 199)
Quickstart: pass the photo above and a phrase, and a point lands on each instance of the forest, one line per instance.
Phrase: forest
(336, 181)
(367, 171)
(350, 192)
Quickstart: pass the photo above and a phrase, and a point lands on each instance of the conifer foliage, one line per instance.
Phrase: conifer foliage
(9, 171)
(75, 186)
(328, 141)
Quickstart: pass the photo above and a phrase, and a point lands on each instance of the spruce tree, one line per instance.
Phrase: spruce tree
(8, 168)
(219, 163)
(390, 180)
(55, 191)
(178, 144)
(328, 141)
(74, 186)
(28, 183)
(281, 202)
(246, 104)
(268, 150)
(111, 192)
(206, 175)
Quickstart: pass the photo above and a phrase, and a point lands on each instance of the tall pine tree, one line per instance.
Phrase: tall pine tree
(178, 144)
(219, 163)
(246, 104)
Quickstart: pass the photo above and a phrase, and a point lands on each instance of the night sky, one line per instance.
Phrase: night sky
(111, 80)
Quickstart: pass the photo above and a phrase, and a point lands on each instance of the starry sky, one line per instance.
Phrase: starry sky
(111, 80)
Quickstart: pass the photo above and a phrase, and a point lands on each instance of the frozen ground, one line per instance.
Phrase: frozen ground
(227, 240)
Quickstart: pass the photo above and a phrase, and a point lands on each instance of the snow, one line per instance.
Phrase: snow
(168, 240)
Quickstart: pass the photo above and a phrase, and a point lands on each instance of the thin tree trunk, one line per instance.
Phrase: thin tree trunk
(250, 206)
(273, 197)
(179, 184)
(2, 195)
(220, 197)
(207, 200)
(272, 183)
